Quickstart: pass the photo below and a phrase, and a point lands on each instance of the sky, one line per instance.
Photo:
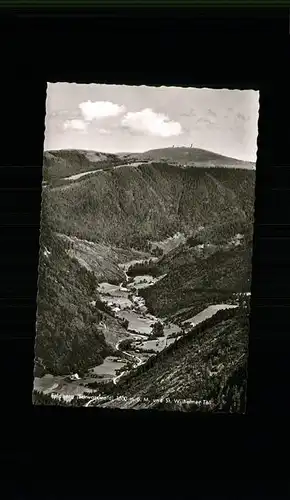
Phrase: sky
(122, 118)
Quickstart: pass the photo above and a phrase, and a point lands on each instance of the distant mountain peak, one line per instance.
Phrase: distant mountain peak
(196, 153)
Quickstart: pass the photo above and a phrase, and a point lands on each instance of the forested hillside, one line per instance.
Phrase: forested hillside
(63, 163)
(127, 207)
(199, 277)
(205, 370)
(69, 336)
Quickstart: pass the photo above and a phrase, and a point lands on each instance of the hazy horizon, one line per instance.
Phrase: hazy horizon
(135, 119)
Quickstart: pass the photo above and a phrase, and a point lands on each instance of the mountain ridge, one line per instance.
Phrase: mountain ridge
(197, 154)
(62, 163)
(172, 151)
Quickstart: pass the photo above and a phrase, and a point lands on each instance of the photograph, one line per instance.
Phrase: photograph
(145, 247)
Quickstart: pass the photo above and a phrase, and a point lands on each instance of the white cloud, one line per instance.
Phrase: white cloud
(100, 109)
(149, 122)
(75, 125)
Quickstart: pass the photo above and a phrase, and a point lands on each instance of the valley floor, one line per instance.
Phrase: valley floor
(124, 303)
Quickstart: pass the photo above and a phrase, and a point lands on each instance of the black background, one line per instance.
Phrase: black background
(126, 450)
